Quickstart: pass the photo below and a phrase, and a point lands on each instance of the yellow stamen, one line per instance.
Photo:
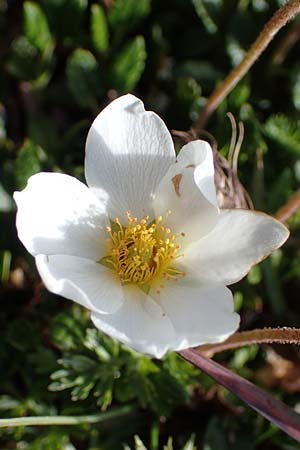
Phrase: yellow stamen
(141, 253)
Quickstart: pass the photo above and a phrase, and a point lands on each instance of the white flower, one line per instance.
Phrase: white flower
(144, 247)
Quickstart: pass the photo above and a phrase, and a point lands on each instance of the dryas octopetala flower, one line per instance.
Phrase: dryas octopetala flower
(144, 246)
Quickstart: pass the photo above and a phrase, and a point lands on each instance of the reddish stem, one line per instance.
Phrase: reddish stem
(272, 409)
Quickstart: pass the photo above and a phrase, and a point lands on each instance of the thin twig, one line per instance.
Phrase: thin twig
(268, 406)
(279, 20)
(243, 338)
(287, 210)
(64, 420)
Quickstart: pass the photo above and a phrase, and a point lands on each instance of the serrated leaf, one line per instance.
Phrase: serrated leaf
(99, 29)
(27, 163)
(36, 26)
(127, 13)
(129, 65)
(83, 77)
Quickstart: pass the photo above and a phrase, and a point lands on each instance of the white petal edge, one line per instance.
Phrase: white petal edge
(59, 214)
(140, 323)
(240, 240)
(90, 284)
(188, 191)
(200, 313)
(180, 317)
(128, 151)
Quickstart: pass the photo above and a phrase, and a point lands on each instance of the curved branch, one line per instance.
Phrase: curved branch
(243, 338)
(279, 20)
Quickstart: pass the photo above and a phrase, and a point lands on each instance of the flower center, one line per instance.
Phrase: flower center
(142, 252)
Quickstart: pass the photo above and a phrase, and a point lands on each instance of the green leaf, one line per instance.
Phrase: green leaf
(285, 132)
(99, 29)
(255, 275)
(66, 332)
(296, 88)
(190, 444)
(5, 262)
(128, 12)
(78, 363)
(23, 60)
(188, 92)
(202, 12)
(139, 444)
(129, 65)
(36, 26)
(83, 77)
(28, 163)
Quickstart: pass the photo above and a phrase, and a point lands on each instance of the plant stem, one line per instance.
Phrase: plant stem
(272, 409)
(287, 210)
(64, 420)
(243, 338)
(279, 20)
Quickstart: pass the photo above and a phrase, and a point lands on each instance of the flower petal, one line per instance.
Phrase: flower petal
(180, 317)
(128, 151)
(59, 214)
(140, 323)
(239, 240)
(188, 190)
(200, 313)
(84, 281)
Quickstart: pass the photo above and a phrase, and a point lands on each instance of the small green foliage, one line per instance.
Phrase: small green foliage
(24, 59)
(255, 275)
(108, 370)
(189, 445)
(99, 29)
(84, 77)
(28, 163)
(66, 332)
(129, 65)
(188, 92)
(36, 26)
(285, 132)
(203, 13)
(296, 88)
(127, 13)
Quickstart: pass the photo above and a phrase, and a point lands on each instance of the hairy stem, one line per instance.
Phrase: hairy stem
(264, 336)
(272, 409)
(64, 420)
(279, 20)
